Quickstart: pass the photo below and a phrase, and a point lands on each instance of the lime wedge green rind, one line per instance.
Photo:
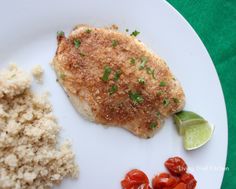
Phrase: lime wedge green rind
(184, 119)
(197, 135)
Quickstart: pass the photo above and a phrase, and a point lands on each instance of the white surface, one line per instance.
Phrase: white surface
(28, 37)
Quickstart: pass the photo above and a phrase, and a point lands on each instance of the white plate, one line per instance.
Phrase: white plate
(28, 37)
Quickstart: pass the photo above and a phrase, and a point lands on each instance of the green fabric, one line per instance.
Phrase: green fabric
(215, 23)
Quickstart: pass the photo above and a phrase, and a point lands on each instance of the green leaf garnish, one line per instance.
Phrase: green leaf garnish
(153, 125)
(77, 43)
(62, 76)
(143, 63)
(162, 84)
(135, 33)
(141, 81)
(136, 97)
(60, 33)
(107, 72)
(176, 100)
(132, 61)
(117, 75)
(88, 30)
(113, 89)
(166, 102)
(81, 54)
(158, 114)
(149, 70)
(159, 93)
(114, 43)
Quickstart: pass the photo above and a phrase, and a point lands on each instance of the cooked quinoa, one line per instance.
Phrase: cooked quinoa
(37, 72)
(30, 156)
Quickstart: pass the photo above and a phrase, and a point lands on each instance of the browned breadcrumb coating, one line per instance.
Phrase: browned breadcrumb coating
(144, 94)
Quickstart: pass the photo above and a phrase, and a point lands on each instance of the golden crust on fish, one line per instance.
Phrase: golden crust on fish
(113, 79)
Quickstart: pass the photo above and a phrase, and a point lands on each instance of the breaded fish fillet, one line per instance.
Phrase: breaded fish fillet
(113, 79)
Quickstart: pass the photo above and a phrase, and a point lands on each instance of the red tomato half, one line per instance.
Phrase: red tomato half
(189, 180)
(176, 166)
(181, 185)
(164, 181)
(135, 179)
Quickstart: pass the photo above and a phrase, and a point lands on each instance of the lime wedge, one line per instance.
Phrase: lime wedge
(184, 119)
(197, 135)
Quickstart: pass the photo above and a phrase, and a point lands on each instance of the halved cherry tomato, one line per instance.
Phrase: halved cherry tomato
(135, 179)
(189, 180)
(181, 185)
(164, 181)
(176, 166)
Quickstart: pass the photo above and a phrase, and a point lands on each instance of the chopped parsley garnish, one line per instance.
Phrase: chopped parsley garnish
(143, 63)
(159, 93)
(127, 30)
(62, 76)
(162, 84)
(114, 43)
(176, 100)
(117, 75)
(60, 33)
(135, 33)
(77, 43)
(136, 97)
(132, 61)
(153, 74)
(153, 125)
(113, 89)
(81, 54)
(88, 30)
(149, 70)
(158, 114)
(141, 81)
(166, 102)
(107, 72)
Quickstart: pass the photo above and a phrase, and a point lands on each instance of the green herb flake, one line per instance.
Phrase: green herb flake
(153, 125)
(136, 97)
(153, 74)
(127, 30)
(143, 63)
(135, 33)
(165, 102)
(159, 93)
(81, 54)
(158, 114)
(176, 100)
(114, 43)
(113, 89)
(149, 70)
(117, 75)
(107, 72)
(132, 61)
(60, 33)
(162, 84)
(88, 30)
(77, 43)
(62, 76)
(141, 81)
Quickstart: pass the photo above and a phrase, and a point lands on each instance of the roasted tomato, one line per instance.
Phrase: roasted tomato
(176, 166)
(189, 180)
(164, 181)
(135, 179)
(181, 185)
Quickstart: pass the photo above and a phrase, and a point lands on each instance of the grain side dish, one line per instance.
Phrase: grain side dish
(30, 156)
